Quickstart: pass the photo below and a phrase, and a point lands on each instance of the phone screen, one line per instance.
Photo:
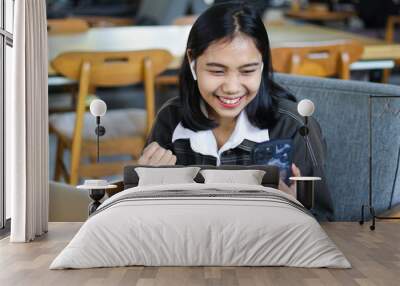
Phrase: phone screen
(275, 153)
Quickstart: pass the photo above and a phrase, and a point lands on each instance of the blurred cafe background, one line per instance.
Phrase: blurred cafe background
(364, 33)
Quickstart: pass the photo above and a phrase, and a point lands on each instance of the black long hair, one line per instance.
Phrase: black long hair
(224, 21)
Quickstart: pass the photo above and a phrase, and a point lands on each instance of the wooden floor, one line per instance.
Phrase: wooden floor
(375, 256)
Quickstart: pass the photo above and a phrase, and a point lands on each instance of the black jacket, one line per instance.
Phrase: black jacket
(289, 121)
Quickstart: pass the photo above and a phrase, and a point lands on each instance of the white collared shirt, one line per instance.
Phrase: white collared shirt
(204, 142)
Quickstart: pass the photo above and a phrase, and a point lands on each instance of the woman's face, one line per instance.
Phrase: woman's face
(229, 75)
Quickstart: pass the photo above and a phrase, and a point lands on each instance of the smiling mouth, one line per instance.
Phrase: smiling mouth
(229, 101)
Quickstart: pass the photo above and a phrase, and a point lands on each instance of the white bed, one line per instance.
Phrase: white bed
(201, 224)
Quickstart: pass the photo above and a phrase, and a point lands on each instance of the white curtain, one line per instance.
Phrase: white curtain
(27, 173)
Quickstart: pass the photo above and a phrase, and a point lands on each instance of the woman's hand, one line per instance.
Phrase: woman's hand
(156, 155)
(292, 189)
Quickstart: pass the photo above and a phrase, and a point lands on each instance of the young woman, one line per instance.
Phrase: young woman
(229, 102)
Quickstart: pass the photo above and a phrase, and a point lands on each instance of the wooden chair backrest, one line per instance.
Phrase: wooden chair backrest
(67, 25)
(323, 59)
(112, 68)
(391, 24)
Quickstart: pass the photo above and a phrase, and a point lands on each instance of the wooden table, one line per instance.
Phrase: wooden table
(173, 38)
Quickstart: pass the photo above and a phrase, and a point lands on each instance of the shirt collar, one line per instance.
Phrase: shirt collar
(204, 142)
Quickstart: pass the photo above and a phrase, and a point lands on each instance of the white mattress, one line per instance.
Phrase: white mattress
(266, 229)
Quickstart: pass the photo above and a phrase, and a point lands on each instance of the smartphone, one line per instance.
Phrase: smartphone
(278, 152)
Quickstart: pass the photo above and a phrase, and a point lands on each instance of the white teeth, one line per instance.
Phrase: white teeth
(230, 101)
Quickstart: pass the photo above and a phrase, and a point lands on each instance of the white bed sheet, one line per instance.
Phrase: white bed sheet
(193, 231)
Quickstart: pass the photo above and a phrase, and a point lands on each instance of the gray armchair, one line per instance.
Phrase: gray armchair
(342, 109)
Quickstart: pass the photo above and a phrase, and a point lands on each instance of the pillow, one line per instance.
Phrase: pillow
(270, 179)
(248, 177)
(162, 176)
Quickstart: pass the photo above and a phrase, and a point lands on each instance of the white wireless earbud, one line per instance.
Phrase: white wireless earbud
(262, 66)
(192, 69)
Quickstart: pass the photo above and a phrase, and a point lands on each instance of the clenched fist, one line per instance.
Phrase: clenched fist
(156, 155)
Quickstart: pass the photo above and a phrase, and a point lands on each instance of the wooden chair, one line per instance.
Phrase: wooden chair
(67, 25)
(391, 24)
(323, 59)
(106, 21)
(126, 129)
